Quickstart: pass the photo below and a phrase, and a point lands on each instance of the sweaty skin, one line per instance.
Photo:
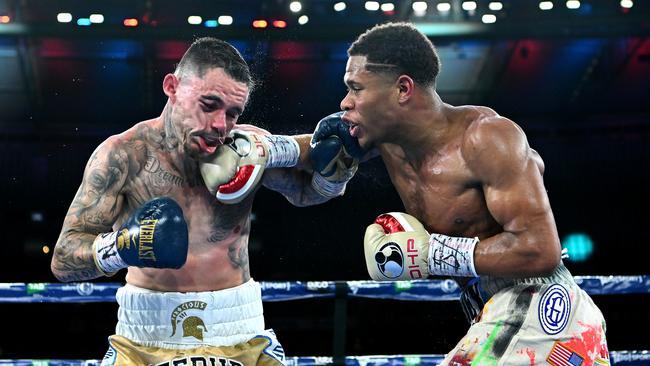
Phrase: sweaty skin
(158, 157)
(462, 171)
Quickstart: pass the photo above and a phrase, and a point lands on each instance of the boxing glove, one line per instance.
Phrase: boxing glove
(398, 247)
(333, 168)
(333, 125)
(155, 236)
(236, 168)
(334, 156)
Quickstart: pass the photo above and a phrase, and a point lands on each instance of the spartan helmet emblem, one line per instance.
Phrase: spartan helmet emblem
(193, 326)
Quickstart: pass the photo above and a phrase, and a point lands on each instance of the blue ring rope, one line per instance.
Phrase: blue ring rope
(424, 290)
(421, 290)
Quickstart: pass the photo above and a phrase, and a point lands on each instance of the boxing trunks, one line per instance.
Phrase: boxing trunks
(531, 321)
(213, 328)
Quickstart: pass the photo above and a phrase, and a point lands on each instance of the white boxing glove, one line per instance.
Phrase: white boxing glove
(398, 247)
(236, 168)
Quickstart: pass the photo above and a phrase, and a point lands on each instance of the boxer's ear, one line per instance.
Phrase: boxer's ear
(405, 86)
(170, 86)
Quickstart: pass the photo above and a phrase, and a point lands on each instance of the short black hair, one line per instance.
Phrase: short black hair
(207, 52)
(398, 48)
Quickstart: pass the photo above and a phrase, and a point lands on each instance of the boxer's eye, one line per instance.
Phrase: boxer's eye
(209, 107)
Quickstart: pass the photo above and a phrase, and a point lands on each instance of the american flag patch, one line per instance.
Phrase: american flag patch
(561, 355)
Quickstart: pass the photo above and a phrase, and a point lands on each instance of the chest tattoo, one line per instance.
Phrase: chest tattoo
(230, 219)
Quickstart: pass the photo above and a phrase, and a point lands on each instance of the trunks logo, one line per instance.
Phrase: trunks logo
(145, 242)
(554, 309)
(390, 260)
(193, 326)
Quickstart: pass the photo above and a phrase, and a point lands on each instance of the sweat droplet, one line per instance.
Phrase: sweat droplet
(437, 170)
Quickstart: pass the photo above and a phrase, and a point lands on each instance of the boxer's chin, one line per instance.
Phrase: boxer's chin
(193, 150)
(365, 143)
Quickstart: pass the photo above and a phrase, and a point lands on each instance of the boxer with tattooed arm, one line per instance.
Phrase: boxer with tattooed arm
(147, 203)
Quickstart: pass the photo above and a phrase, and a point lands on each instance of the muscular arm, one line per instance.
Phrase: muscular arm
(295, 183)
(497, 151)
(93, 211)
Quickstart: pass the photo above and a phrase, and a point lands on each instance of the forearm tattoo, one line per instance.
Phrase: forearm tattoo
(93, 210)
(74, 258)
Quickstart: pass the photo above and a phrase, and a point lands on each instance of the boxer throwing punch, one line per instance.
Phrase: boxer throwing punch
(170, 199)
(476, 206)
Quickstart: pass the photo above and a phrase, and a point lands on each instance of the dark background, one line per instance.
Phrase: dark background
(577, 81)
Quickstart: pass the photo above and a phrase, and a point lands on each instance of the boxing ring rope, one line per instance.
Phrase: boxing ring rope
(421, 290)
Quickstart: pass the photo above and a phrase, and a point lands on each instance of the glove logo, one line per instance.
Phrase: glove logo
(145, 247)
(123, 239)
(390, 260)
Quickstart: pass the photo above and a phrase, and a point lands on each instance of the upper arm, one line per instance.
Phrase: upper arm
(99, 198)
(497, 152)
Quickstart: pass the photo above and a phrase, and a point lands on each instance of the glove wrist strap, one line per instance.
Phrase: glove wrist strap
(284, 151)
(326, 188)
(107, 259)
(452, 256)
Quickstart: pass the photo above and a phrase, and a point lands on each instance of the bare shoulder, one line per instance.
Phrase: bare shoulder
(494, 144)
(135, 140)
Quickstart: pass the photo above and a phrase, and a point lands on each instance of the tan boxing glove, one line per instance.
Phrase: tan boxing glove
(398, 247)
(236, 168)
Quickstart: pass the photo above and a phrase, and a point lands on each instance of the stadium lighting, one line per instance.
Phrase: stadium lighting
(579, 245)
(495, 6)
(64, 17)
(279, 24)
(340, 6)
(295, 6)
(4, 19)
(443, 7)
(225, 20)
(469, 5)
(96, 18)
(419, 6)
(546, 5)
(372, 5)
(387, 7)
(130, 22)
(627, 4)
(303, 19)
(573, 4)
(260, 23)
(488, 18)
(194, 19)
